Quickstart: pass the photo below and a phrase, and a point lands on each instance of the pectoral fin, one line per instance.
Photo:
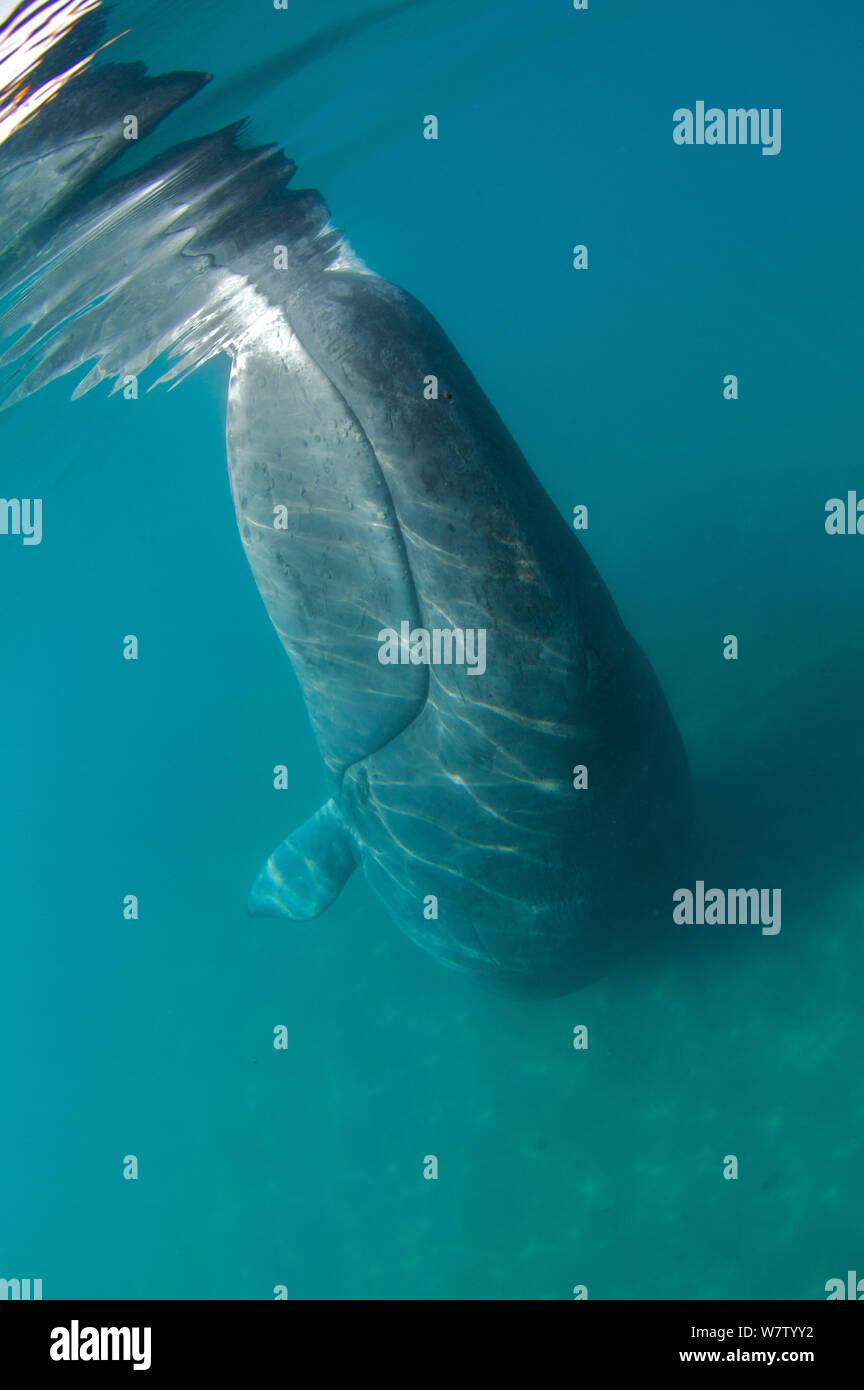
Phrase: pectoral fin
(308, 870)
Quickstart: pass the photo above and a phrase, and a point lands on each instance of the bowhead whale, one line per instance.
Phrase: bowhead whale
(519, 822)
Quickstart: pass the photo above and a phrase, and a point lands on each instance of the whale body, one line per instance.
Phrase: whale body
(519, 822)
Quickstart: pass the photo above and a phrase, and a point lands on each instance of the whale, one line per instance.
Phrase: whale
(524, 823)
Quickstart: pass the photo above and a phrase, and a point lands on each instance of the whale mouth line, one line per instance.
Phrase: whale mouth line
(294, 350)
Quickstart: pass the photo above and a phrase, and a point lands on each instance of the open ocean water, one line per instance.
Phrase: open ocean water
(558, 1167)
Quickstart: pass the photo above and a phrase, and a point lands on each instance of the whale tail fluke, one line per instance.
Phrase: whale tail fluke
(175, 257)
(308, 871)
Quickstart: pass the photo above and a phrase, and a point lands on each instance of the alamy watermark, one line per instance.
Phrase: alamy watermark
(76, 1343)
(438, 646)
(728, 906)
(21, 516)
(850, 1288)
(23, 1289)
(845, 516)
(735, 126)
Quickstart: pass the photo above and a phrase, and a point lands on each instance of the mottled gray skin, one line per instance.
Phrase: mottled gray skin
(447, 784)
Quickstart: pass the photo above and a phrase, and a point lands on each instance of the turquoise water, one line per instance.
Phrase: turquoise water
(557, 1167)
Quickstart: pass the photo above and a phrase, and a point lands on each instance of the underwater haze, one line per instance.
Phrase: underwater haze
(561, 1166)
